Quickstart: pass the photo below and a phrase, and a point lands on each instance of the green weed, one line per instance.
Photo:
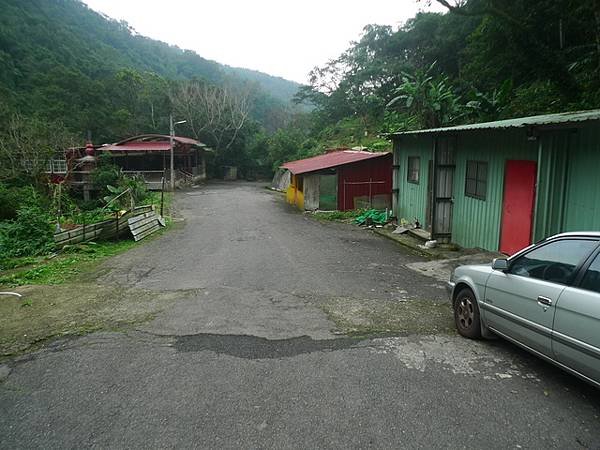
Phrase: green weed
(338, 216)
(69, 264)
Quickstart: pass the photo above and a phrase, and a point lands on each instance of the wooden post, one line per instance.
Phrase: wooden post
(162, 194)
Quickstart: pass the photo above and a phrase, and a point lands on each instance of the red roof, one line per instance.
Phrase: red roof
(329, 160)
(150, 142)
(139, 146)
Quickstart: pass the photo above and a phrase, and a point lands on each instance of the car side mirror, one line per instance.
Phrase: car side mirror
(500, 264)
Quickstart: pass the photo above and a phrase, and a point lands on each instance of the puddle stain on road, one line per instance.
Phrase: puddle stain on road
(254, 347)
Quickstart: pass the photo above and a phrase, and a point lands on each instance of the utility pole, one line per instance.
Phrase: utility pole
(171, 138)
(171, 141)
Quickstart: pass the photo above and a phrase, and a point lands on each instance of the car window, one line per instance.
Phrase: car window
(554, 262)
(591, 279)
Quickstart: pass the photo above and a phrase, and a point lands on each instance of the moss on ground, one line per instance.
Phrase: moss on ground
(49, 311)
(367, 317)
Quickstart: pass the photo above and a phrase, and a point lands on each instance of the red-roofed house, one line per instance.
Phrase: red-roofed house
(341, 179)
(149, 154)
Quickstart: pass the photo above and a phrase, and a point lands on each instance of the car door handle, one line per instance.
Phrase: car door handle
(544, 301)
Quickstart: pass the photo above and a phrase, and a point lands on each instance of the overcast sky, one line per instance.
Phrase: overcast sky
(278, 37)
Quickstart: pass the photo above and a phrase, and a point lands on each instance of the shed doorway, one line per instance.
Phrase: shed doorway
(443, 189)
(517, 206)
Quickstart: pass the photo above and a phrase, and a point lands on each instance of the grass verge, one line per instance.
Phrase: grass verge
(63, 267)
(337, 216)
(71, 261)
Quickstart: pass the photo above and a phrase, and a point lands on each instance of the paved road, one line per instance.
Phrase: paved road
(247, 359)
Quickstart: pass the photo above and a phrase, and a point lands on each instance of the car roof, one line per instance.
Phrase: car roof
(595, 234)
(570, 234)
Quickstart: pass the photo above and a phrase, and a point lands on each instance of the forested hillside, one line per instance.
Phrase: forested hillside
(62, 61)
(481, 60)
(68, 69)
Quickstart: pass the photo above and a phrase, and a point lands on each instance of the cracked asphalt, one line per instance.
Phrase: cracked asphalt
(250, 360)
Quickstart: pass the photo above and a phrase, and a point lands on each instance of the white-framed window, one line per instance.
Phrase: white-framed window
(56, 165)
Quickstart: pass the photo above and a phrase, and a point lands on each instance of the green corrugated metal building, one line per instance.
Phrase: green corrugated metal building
(501, 185)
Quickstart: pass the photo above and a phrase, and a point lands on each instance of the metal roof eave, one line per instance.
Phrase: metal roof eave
(306, 167)
(560, 120)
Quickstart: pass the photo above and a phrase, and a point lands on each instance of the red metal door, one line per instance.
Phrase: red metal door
(517, 207)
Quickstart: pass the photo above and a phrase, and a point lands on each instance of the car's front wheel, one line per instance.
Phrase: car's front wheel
(466, 314)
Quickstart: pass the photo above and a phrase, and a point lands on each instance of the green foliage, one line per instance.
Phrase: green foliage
(63, 268)
(493, 60)
(14, 197)
(28, 143)
(338, 216)
(30, 234)
(430, 100)
(538, 97)
(62, 60)
(105, 174)
(85, 217)
(290, 144)
(130, 191)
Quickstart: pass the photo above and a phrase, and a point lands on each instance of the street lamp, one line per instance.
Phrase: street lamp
(171, 138)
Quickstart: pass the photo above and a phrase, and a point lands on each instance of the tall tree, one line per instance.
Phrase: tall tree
(214, 112)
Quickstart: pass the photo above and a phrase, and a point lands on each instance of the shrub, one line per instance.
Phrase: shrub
(137, 187)
(30, 234)
(14, 197)
(105, 174)
(137, 193)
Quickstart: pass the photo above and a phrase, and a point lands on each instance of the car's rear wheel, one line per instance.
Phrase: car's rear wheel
(466, 314)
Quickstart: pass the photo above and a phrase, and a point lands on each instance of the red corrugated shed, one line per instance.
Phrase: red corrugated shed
(371, 179)
(329, 160)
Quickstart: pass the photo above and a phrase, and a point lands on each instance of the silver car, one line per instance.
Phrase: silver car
(546, 298)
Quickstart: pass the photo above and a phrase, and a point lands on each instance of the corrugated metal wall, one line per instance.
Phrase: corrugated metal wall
(376, 170)
(568, 187)
(476, 223)
(582, 202)
(412, 198)
(551, 185)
